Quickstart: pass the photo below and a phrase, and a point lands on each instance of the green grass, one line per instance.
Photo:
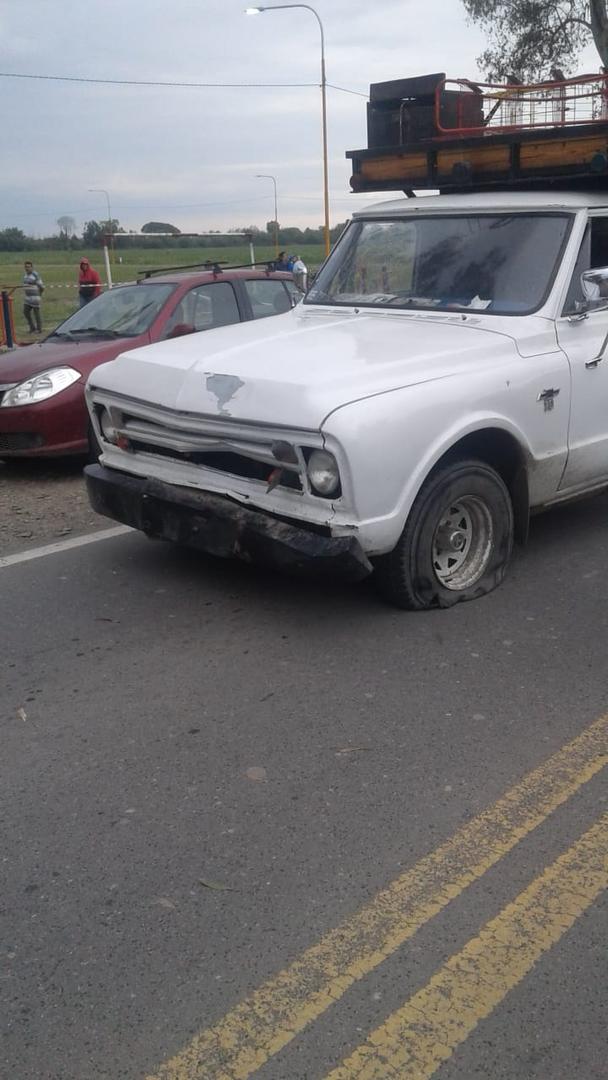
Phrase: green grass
(60, 268)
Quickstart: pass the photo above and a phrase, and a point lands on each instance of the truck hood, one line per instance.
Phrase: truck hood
(293, 370)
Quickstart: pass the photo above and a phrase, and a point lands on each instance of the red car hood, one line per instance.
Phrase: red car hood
(83, 356)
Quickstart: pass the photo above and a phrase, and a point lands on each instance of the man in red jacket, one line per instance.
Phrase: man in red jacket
(89, 283)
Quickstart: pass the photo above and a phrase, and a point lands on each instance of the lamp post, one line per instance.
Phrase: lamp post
(268, 176)
(102, 191)
(283, 7)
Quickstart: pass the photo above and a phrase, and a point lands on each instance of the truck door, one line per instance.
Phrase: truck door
(585, 342)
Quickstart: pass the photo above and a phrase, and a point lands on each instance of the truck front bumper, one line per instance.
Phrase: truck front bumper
(219, 526)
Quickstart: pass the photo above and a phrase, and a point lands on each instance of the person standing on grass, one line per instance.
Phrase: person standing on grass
(281, 261)
(34, 288)
(89, 283)
(300, 273)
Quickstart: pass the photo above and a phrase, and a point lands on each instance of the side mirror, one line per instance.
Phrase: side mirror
(594, 284)
(180, 330)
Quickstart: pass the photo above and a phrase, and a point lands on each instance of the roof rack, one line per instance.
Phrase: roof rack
(459, 135)
(217, 268)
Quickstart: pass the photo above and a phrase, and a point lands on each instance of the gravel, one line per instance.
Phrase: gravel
(42, 502)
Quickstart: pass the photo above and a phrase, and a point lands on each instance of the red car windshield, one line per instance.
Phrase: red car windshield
(125, 311)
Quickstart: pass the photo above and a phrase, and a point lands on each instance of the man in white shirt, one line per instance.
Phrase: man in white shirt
(300, 273)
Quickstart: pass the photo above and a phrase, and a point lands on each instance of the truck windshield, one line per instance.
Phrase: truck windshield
(502, 264)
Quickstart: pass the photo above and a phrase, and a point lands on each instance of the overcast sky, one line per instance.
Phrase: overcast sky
(186, 155)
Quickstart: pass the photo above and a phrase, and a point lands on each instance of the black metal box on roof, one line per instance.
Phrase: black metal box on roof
(417, 86)
(405, 111)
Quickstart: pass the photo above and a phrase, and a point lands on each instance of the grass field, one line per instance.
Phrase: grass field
(60, 269)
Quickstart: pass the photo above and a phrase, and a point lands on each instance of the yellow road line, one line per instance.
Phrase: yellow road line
(419, 1037)
(271, 1016)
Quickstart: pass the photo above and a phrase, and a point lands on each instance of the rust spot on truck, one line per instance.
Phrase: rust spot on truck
(223, 387)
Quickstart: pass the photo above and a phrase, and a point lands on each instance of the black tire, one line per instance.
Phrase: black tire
(462, 502)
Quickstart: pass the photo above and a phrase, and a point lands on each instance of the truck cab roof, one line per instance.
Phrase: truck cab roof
(488, 202)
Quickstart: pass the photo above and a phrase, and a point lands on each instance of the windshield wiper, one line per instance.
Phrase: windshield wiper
(386, 298)
(98, 330)
(62, 334)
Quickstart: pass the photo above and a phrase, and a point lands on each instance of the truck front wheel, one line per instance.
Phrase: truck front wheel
(457, 540)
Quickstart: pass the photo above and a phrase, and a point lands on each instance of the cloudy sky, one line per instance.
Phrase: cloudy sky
(190, 155)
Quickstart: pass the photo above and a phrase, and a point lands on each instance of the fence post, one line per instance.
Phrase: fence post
(7, 318)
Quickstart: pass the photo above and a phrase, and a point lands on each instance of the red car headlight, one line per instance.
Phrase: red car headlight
(40, 387)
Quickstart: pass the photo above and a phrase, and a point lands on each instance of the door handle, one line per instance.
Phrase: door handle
(594, 363)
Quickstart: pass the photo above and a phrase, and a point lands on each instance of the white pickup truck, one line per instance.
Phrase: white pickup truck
(446, 374)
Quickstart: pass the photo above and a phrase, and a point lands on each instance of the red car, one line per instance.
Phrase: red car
(42, 405)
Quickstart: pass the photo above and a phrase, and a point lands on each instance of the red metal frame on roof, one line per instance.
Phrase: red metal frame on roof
(511, 108)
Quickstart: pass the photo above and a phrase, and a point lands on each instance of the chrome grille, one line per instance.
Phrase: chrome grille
(236, 450)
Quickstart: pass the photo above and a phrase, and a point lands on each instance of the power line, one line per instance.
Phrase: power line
(126, 207)
(344, 90)
(131, 208)
(155, 82)
(141, 82)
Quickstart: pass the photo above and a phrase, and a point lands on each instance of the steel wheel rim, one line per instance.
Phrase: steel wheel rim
(462, 543)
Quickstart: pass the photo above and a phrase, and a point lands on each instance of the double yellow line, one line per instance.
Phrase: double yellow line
(417, 1038)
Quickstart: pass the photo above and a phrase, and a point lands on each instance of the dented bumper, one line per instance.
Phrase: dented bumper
(219, 526)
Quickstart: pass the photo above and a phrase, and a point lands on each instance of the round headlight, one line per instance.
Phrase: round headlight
(323, 472)
(108, 430)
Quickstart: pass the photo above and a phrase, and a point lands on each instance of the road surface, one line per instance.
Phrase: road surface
(253, 826)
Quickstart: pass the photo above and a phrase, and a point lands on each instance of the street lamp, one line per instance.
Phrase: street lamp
(282, 7)
(268, 176)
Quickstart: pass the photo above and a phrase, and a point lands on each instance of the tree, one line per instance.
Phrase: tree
(530, 38)
(13, 239)
(67, 225)
(160, 226)
(94, 231)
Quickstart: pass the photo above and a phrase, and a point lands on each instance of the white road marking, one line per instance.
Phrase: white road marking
(62, 545)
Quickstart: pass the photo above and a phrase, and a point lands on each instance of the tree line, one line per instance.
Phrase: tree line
(93, 233)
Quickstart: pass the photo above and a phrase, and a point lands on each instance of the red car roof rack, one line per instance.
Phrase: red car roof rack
(217, 268)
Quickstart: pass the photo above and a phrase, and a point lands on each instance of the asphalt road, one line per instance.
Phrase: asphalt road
(211, 776)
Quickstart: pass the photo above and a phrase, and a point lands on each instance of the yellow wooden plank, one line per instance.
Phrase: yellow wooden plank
(547, 154)
(402, 166)
(483, 159)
